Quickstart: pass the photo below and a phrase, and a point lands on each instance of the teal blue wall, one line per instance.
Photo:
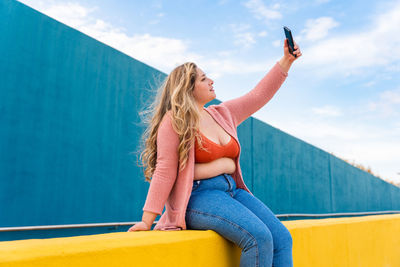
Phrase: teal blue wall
(69, 120)
(292, 176)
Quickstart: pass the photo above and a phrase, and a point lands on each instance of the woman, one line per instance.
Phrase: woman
(192, 154)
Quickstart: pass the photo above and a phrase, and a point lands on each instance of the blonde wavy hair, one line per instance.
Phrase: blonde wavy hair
(175, 94)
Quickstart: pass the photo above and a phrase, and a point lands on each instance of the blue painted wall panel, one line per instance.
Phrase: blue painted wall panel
(246, 156)
(70, 121)
(290, 175)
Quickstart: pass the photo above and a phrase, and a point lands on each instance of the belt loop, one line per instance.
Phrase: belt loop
(227, 179)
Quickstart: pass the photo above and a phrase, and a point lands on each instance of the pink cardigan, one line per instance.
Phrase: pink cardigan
(172, 188)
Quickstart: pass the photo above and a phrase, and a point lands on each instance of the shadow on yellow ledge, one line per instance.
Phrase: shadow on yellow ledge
(359, 241)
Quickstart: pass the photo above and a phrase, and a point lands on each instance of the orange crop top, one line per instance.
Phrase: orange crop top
(214, 150)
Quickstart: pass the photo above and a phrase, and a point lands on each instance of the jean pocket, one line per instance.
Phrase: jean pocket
(196, 184)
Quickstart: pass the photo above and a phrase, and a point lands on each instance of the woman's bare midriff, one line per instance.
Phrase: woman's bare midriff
(214, 168)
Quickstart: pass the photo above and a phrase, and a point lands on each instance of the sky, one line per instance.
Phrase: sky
(342, 95)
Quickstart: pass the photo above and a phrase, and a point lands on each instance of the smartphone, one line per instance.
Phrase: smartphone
(288, 34)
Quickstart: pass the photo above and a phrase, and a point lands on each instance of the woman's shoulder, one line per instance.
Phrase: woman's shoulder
(216, 108)
(167, 116)
(220, 112)
(166, 126)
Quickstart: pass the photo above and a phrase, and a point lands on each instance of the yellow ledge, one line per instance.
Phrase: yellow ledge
(360, 241)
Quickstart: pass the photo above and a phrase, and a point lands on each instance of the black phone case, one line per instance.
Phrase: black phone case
(288, 34)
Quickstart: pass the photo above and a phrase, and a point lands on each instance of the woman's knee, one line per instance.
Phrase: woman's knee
(263, 236)
(256, 235)
(284, 239)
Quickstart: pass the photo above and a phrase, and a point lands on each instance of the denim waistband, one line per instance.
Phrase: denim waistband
(224, 182)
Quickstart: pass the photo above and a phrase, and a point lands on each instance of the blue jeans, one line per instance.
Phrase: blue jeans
(216, 204)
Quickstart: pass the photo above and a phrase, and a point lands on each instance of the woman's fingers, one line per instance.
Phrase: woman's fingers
(296, 51)
(131, 229)
(141, 226)
(134, 228)
(286, 43)
(286, 47)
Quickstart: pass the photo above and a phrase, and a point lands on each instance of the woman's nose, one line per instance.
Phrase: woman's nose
(211, 81)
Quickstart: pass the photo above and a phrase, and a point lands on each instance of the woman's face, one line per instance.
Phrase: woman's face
(203, 89)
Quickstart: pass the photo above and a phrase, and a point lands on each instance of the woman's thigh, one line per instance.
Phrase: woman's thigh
(217, 210)
(281, 235)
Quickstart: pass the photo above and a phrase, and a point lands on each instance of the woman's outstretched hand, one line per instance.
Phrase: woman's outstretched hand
(287, 59)
(141, 226)
(287, 54)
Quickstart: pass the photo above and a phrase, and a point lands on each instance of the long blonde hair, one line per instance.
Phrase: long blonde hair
(175, 94)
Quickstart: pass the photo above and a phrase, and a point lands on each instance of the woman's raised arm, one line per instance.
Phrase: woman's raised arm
(243, 107)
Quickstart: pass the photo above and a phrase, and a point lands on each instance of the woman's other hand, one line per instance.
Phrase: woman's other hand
(141, 226)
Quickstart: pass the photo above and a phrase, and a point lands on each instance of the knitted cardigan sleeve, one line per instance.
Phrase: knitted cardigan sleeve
(166, 169)
(243, 107)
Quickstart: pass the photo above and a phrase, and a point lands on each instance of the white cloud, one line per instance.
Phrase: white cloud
(317, 29)
(262, 34)
(72, 14)
(243, 37)
(322, 1)
(349, 54)
(157, 4)
(277, 43)
(160, 52)
(369, 84)
(392, 97)
(330, 111)
(157, 18)
(262, 12)
(317, 130)
(222, 2)
(388, 104)
(218, 67)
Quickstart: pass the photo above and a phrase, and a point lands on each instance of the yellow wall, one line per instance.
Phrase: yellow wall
(361, 241)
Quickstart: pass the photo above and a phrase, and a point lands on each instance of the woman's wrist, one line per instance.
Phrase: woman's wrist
(285, 63)
(148, 218)
(147, 225)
